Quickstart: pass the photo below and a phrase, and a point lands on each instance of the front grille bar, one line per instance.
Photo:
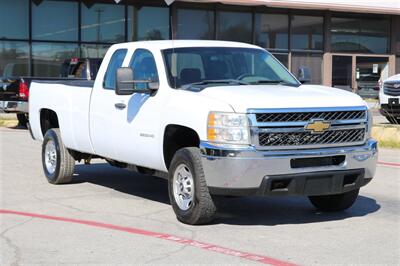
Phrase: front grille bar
(285, 128)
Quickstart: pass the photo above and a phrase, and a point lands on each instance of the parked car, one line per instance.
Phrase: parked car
(389, 99)
(214, 118)
(368, 86)
(14, 90)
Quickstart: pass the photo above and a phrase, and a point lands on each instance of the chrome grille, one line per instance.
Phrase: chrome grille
(306, 138)
(306, 116)
(289, 128)
(389, 89)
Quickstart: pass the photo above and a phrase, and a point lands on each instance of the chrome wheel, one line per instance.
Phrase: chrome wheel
(183, 187)
(50, 156)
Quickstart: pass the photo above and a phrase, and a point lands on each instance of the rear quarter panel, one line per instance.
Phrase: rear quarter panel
(71, 104)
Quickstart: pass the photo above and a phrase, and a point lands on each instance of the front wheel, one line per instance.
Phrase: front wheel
(188, 191)
(332, 203)
(58, 163)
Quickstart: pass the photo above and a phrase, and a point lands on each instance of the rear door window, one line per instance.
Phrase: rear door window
(116, 62)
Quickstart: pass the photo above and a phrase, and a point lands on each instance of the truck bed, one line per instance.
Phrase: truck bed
(68, 82)
(70, 100)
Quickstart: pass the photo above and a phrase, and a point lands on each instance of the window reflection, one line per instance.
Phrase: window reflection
(360, 35)
(202, 27)
(14, 59)
(272, 30)
(55, 20)
(307, 67)
(148, 23)
(93, 50)
(17, 14)
(103, 23)
(307, 33)
(397, 36)
(235, 26)
(48, 57)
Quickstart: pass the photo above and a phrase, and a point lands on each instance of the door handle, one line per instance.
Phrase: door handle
(120, 106)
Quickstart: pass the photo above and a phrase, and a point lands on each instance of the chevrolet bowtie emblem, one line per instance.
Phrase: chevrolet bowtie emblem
(317, 126)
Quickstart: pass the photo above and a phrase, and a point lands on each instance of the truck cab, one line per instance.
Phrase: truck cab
(213, 118)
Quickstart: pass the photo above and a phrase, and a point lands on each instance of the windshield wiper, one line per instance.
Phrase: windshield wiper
(215, 81)
(279, 82)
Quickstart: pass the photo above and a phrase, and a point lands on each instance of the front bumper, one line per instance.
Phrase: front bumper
(390, 110)
(14, 106)
(248, 171)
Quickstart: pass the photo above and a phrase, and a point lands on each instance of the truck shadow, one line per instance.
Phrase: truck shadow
(267, 211)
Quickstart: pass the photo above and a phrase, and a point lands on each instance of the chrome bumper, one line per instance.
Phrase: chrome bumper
(248, 168)
(14, 106)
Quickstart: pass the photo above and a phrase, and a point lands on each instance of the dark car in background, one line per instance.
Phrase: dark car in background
(368, 86)
(14, 90)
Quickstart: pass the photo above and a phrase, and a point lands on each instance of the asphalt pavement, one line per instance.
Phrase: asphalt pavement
(113, 216)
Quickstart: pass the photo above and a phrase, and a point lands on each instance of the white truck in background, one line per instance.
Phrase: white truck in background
(214, 118)
(389, 99)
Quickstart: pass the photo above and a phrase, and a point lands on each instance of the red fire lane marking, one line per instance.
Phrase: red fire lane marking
(168, 237)
(389, 164)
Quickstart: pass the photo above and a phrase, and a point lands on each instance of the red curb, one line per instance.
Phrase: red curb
(389, 164)
(168, 237)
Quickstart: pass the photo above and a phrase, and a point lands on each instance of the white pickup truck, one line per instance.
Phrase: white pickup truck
(214, 118)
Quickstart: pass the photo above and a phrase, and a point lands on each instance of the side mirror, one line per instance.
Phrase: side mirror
(124, 81)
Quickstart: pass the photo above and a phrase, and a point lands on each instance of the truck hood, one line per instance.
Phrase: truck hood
(243, 97)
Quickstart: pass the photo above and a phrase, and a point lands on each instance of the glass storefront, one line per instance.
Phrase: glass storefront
(307, 33)
(148, 23)
(200, 28)
(103, 23)
(55, 20)
(272, 31)
(234, 26)
(48, 57)
(17, 12)
(14, 59)
(93, 50)
(307, 67)
(360, 35)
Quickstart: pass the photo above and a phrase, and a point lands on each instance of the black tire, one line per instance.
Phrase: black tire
(202, 209)
(22, 120)
(64, 162)
(393, 120)
(333, 203)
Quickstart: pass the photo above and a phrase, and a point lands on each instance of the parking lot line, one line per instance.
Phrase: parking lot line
(183, 241)
(389, 164)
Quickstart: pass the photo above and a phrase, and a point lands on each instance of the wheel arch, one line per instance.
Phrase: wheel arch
(176, 137)
(48, 120)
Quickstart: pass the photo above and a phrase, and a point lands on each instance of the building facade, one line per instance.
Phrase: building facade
(322, 47)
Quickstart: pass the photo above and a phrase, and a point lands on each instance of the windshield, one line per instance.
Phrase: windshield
(205, 66)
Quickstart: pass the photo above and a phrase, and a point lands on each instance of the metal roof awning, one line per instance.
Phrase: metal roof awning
(359, 6)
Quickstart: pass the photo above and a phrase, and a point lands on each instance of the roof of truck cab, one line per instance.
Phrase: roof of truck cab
(167, 44)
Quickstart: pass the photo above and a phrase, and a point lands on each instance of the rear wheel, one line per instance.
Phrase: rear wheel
(332, 203)
(58, 163)
(22, 120)
(188, 191)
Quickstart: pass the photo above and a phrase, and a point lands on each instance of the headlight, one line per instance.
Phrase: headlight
(230, 128)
